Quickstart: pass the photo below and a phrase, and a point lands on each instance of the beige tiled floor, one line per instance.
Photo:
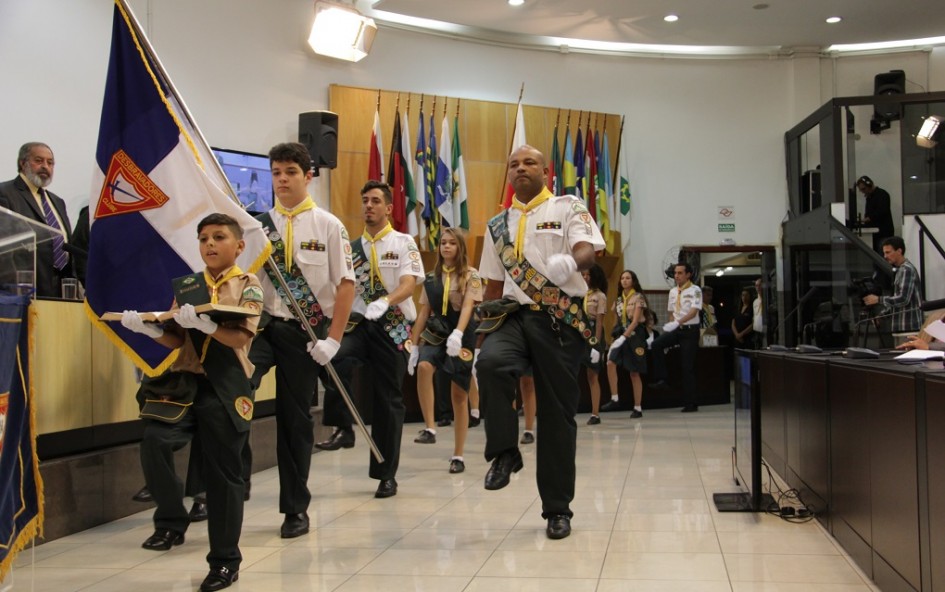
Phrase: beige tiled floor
(644, 521)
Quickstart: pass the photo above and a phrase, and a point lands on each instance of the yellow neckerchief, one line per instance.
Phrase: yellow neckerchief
(214, 285)
(375, 272)
(536, 201)
(626, 301)
(307, 204)
(679, 292)
(587, 297)
(446, 286)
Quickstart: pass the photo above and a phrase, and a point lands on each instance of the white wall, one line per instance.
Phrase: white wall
(699, 133)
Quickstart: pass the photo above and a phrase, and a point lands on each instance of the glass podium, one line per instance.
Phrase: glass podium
(19, 237)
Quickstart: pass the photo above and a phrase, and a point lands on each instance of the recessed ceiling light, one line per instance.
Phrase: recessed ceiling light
(834, 19)
(670, 18)
(760, 6)
(516, 2)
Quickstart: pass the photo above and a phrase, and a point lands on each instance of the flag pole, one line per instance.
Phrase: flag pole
(149, 49)
(505, 177)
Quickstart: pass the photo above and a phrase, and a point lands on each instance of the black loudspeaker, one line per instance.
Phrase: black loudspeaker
(889, 83)
(318, 132)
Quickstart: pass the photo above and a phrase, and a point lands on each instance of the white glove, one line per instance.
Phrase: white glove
(188, 319)
(649, 340)
(595, 356)
(414, 358)
(617, 343)
(132, 321)
(323, 351)
(376, 309)
(670, 326)
(560, 268)
(454, 343)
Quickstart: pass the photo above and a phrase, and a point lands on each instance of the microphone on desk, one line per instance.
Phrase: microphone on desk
(74, 250)
(933, 305)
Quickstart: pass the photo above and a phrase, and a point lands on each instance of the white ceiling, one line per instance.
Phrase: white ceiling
(784, 26)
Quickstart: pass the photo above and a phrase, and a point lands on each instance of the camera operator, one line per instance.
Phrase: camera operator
(903, 305)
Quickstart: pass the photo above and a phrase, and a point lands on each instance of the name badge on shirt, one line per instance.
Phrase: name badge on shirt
(389, 259)
(550, 225)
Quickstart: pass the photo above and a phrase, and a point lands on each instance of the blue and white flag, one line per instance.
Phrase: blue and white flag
(149, 191)
(444, 176)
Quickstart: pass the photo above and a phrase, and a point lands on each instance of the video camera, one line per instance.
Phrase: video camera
(866, 286)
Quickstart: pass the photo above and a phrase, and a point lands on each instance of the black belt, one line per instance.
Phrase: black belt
(688, 327)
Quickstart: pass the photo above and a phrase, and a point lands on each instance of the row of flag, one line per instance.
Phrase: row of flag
(430, 190)
(428, 186)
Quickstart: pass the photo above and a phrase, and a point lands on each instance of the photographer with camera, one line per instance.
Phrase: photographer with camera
(905, 302)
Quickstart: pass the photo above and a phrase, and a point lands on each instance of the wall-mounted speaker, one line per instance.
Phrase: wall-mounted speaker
(889, 83)
(318, 132)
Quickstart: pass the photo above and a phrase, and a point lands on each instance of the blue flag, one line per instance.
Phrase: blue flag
(21, 486)
(153, 188)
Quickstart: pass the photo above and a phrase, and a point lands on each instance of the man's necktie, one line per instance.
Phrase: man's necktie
(59, 253)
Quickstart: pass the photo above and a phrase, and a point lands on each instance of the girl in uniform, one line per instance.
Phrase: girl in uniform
(595, 306)
(446, 338)
(629, 348)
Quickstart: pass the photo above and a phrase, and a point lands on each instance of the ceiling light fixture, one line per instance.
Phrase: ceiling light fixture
(671, 18)
(341, 32)
(834, 19)
(930, 133)
(516, 2)
(904, 44)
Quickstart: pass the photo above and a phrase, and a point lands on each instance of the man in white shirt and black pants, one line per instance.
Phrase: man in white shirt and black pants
(685, 302)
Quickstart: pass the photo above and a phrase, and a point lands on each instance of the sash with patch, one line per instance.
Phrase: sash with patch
(227, 377)
(545, 295)
(370, 289)
(294, 279)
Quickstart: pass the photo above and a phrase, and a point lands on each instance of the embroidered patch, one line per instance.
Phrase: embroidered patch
(550, 296)
(244, 407)
(639, 351)
(312, 245)
(414, 255)
(252, 294)
(578, 207)
(344, 235)
(475, 282)
(550, 225)
(586, 218)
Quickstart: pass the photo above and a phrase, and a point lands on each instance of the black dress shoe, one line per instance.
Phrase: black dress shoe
(386, 488)
(457, 466)
(219, 578)
(143, 495)
(559, 526)
(502, 468)
(340, 438)
(593, 420)
(294, 525)
(527, 438)
(636, 414)
(474, 421)
(445, 421)
(425, 437)
(198, 512)
(659, 385)
(690, 408)
(163, 539)
(610, 405)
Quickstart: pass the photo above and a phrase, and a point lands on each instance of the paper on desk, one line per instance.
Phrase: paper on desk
(922, 354)
(936, 329)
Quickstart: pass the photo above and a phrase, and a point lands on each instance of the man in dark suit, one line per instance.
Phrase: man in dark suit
(27, 195)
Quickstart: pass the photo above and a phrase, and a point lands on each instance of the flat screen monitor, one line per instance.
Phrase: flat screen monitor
(747, 459)
(250, 176)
